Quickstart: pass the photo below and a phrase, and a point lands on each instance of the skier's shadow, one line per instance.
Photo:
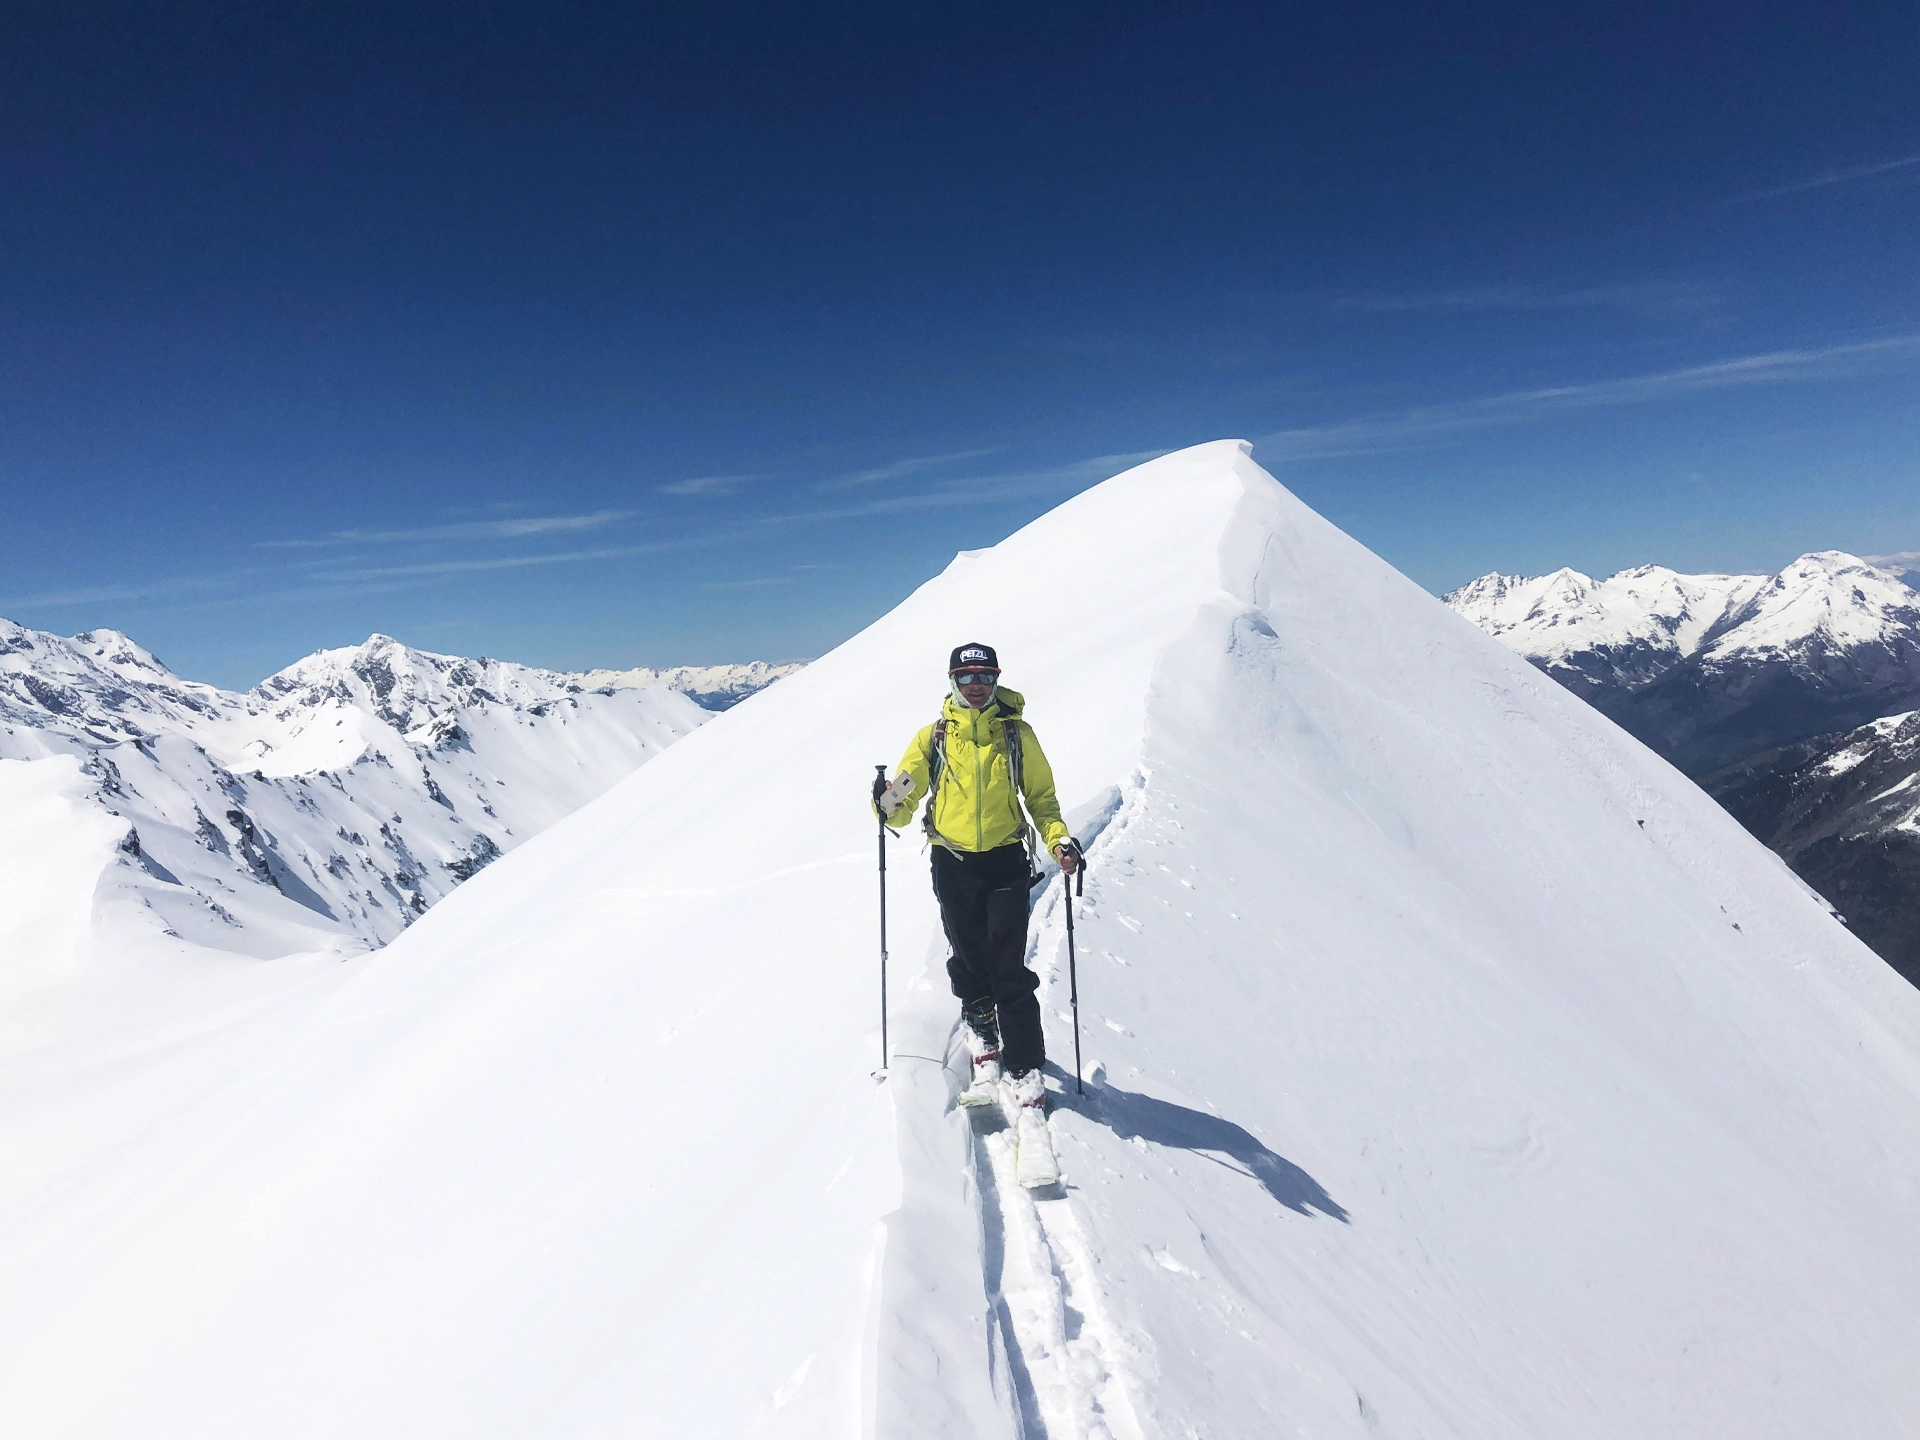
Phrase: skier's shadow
(1160, 1122)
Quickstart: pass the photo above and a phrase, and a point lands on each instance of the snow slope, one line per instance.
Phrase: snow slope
(1465, 1072)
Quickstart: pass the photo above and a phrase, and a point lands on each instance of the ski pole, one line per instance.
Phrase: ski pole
(1075, 884)
(880, 785)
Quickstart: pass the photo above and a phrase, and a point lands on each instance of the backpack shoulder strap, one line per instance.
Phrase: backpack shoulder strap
(936, 766)
(1010, 726)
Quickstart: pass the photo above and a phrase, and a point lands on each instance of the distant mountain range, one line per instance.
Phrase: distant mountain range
(330, 805)
(716, 687)
(1790, 697)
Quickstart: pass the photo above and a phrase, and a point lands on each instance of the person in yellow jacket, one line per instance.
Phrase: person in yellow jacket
(981, 859)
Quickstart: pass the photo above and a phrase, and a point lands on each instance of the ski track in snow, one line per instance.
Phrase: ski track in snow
(1067, 1361)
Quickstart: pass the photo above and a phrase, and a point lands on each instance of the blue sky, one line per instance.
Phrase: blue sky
(658, 334)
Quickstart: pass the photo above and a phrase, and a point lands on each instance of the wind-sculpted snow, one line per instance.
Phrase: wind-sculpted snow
(1459, 1069)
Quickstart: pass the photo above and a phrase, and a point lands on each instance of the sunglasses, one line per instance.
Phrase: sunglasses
(975, 677)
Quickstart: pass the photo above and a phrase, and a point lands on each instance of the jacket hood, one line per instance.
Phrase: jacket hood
(1008, 703)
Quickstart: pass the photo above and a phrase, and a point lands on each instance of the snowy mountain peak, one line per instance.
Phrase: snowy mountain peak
(118, 651)
(1825, 600)
(406, 687)
(100, 682)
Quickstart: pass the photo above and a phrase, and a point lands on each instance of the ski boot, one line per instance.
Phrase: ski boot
(1025, 1100)
(983, 1044)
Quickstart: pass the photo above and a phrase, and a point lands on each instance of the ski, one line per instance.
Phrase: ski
(985, 1089)
(1025, 1103)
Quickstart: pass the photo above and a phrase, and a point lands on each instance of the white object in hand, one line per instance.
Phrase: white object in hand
(895, 795)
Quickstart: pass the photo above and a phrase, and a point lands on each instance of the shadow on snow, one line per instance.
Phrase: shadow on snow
(1161, 1122)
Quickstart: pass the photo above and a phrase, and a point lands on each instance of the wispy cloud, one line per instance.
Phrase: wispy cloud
(1837, 177)
(153, 590)
(1408, 428)
(756, 583)
(169, 587)
(1645, 297)
(707, 485)
(510, 529)
(901, 469)
(521, 562)
(1899, 559)
(331, 579)
(979, 489)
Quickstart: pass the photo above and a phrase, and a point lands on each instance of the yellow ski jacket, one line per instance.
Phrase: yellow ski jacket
(976, 808)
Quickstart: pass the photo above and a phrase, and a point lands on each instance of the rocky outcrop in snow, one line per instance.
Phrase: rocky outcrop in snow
(1844, 811)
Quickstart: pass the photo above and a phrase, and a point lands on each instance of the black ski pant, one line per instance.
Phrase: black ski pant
(983, 904)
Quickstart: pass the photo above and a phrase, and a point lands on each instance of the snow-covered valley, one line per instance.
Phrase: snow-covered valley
(1460, 1069)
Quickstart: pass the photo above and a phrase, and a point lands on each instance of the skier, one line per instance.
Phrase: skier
(980, 760)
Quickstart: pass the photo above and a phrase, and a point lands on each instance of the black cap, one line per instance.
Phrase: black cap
(973, 657)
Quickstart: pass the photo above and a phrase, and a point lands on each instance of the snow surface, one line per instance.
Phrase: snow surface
(1463, 1071)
